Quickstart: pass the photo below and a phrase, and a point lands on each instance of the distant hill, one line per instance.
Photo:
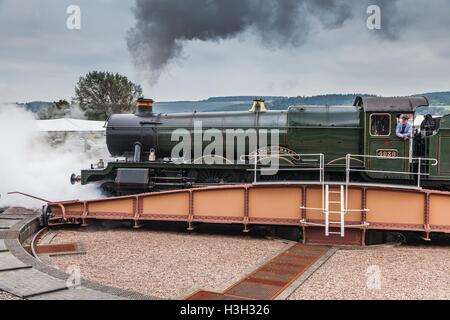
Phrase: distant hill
(191, 106)
(242, 103)
(327, 99)
(35, 106)
(243, 98)
(212, 104)
(437, 98)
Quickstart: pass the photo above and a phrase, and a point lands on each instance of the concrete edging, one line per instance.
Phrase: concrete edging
(18, 233)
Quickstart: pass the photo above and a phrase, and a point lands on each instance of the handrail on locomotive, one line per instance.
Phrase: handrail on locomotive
(344, 189)
(320, 158)
(419, 161)
(348, 167)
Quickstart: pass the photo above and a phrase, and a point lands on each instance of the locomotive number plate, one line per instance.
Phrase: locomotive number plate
(387, 153)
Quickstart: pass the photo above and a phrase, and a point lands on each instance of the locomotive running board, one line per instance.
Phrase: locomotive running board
(369, 208)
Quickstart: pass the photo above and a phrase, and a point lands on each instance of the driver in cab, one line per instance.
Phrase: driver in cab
(404, 128)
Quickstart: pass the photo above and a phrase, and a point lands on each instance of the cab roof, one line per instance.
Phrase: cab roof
(391, 104)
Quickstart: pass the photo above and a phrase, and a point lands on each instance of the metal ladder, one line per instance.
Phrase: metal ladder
(341, 212)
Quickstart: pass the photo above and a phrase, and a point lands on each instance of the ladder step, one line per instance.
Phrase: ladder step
(336, 190)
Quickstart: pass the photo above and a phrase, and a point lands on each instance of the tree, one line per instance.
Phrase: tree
(101, 94)
(59, 109)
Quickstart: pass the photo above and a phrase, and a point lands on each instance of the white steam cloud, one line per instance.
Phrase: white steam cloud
(30, 164)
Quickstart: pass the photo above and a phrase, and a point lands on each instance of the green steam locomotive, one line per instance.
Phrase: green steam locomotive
(181, 150)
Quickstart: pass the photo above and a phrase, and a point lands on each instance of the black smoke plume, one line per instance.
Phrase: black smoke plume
(163, 25)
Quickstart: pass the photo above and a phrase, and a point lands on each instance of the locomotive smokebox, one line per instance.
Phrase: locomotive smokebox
(126, 131)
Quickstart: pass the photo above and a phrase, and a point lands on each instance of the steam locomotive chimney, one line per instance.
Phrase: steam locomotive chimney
(145, 106)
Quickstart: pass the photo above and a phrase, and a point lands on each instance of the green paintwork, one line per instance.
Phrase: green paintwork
(440, 150)
(109, 172)
(332, 130)
(391, 142)
(220, 121)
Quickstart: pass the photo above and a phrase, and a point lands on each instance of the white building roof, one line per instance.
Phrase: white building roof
(73, 125)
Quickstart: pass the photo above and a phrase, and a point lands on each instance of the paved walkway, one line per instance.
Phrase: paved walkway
(24, 276)
(279, 276)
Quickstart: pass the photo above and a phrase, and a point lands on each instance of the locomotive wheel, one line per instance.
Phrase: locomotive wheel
(108, 188)
(217, 176)
(279, 176)
(247, 177)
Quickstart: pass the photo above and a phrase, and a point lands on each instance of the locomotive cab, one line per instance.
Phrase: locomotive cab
(381, 117)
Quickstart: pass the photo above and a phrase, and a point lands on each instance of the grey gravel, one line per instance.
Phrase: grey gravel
(7, 296)
(164, 264)
(405, 273)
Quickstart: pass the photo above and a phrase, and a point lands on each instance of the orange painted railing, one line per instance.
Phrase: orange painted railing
(370, 207)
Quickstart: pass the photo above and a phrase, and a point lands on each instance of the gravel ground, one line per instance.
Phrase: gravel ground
(7, 296)
(164, 264)
(405, 273)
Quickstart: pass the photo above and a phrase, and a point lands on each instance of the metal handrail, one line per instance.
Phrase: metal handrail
(391, 158)
(419, 173)
(345, 206)
(321, 168)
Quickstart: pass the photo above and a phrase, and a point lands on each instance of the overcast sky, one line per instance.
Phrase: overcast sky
(40, 59)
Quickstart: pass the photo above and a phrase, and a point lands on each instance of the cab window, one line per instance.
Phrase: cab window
(380, 124)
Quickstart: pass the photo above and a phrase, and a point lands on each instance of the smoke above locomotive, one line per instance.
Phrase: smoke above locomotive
(162, 28)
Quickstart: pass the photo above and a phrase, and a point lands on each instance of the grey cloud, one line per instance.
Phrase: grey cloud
(323, 46)
(393, 20)
(41, 59)
(162, 25)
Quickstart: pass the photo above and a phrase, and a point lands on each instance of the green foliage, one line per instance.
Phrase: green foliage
(100, 94)
(59, 109)
(36, 106)
(438, 98)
